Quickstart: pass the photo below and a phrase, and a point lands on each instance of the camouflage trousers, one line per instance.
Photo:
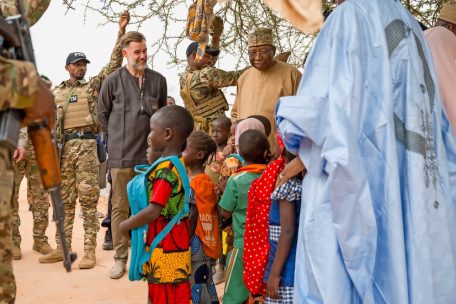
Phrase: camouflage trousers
(80, 169)
(7, 284)
(36, 195)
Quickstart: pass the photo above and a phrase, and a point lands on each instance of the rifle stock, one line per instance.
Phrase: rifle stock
(46, 156)
(17, 44)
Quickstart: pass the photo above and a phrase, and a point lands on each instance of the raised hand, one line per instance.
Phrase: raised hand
(124, 20)
(217, 26)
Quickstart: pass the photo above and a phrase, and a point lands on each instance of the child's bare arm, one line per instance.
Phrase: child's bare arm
(226, 214)
(145, 216)
(287, 233)
(193, 218)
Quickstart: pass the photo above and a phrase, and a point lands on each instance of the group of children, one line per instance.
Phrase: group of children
(220, 173)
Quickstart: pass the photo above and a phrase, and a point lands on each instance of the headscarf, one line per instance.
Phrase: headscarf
(247, 124)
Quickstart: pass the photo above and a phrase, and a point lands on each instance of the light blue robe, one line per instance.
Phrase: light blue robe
(378, 220)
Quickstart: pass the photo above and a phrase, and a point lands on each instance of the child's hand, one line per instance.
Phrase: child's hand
(228, 150)
(229, 235)
(222, 184)
(272, 287)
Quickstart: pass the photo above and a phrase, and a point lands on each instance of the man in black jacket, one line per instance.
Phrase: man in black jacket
(128, 98)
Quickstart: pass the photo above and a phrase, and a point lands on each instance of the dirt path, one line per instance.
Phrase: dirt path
(49, 283)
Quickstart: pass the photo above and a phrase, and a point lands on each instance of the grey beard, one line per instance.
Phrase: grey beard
(138, 67)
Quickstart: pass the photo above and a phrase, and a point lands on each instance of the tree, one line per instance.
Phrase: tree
(240, 17)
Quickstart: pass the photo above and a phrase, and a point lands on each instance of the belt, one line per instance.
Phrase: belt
(80, 135)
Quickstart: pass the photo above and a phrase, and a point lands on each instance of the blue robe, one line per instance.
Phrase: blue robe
(378, 220)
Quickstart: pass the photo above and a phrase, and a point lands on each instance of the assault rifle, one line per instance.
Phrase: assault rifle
(16, 43)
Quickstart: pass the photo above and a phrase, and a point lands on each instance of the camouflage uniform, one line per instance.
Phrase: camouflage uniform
(79, 161)
(202, 96)
(18, 83)
(36, 195)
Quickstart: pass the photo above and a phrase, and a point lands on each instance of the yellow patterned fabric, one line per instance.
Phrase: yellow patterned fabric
(168, 267)
(199, 19)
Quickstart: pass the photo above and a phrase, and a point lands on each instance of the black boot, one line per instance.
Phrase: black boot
(107, 245)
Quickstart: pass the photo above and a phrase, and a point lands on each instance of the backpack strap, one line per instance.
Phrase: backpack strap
(176, 219)
(144, 256)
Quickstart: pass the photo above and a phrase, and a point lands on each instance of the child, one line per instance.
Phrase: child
(230, 147)
(233, 163)
(220, 131)
(256, 234)
(254, 149)
(283, 227)
(168, 269)
(230, 165)
(205, 240)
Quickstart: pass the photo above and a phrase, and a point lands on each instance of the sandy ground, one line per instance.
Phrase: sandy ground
(49, 283)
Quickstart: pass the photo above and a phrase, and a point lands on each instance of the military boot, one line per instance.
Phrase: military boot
(42, 247)
(52, 257)
(17, 254)
(107, 245)
(88, 261)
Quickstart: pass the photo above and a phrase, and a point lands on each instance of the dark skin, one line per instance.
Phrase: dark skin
(261, 57)
(151, 156)
(287, 234)
(194, 162)
(77, 70)
(220, 134)
(163, 139)
(291, 169)
(230, 148)
(196, 65)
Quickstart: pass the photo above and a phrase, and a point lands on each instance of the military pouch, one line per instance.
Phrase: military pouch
(101, 152)
(10, 123)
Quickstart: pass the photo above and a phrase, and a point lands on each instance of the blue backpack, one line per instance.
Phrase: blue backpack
(138, 198)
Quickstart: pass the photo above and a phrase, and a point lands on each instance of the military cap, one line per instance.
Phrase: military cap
(192, 47)
(75, 57)
(260, 36)
(448, 12)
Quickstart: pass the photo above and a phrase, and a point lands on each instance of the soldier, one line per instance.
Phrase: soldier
(26, 165)
(201, 82)
(20, 88)
(77, 107)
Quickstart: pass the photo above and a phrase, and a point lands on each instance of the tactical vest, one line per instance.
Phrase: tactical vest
(77, 114)
(212, 107)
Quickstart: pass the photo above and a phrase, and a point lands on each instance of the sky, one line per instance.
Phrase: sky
(58, 33)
